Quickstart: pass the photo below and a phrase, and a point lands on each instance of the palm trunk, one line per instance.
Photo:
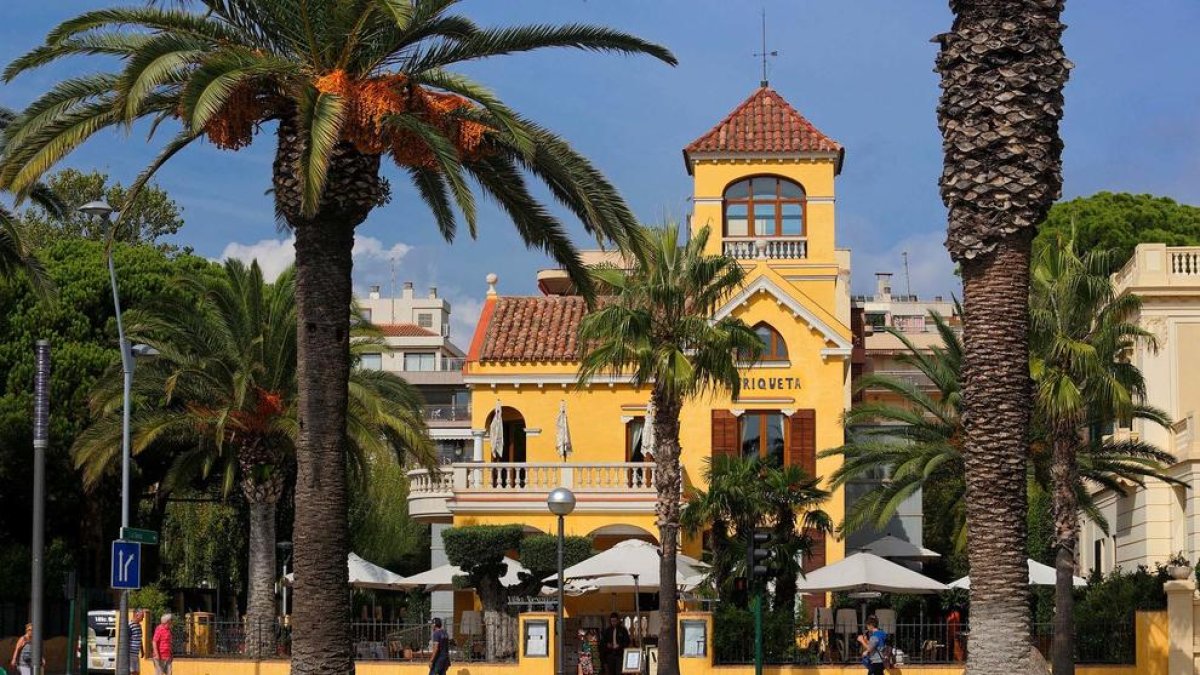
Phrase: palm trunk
(996, 411)
(321, 643)
(1064, 473)
(260, 601)
(669, 481)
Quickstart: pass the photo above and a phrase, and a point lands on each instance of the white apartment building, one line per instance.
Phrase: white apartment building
(1147, 525)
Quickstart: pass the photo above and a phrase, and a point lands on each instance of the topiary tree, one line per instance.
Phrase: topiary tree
(479, 550)
(539, 555)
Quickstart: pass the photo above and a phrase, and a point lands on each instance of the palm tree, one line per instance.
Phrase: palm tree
(1002, 73)
(793, 500)
(917, 442)
(1080, 333)
(342, 84)
(15, 252)
(658, 329)
(224, 389)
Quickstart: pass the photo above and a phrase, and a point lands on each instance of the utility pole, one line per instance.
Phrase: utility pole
(41, 439)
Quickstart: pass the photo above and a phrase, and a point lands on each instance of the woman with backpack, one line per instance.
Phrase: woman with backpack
(874, 643)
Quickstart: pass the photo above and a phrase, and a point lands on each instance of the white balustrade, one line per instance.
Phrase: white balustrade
(766, 248)
(543, 477)
(1184, 262)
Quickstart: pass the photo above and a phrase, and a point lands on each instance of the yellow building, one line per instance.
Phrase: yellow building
(764, 183)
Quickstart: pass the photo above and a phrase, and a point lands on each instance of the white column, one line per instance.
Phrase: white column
(1180, 628)
(477, 447)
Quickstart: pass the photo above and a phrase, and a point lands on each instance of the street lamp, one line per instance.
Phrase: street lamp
(100, 209)
(561, 503)
(285, 549)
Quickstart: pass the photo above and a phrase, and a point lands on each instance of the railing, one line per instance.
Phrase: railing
(373, 641)
(448, 412)
(913, 643)
(913, 377)
(527, 477)
(766, 248)
(1184, 262)
(452, 364)
(425, 482)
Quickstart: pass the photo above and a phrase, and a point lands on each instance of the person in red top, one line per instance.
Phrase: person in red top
(160, 646)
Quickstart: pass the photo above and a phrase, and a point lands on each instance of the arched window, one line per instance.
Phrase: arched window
(774, 348)
(764, 206)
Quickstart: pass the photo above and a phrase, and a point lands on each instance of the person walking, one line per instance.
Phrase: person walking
(135, 641)
(872, 642)
(160, 646)
(22, 657)
(613, 643)
(439, 661)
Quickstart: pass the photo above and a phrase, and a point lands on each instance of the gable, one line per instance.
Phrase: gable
(835, 343)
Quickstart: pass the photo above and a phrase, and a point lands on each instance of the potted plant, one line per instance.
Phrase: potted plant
(1179, 567)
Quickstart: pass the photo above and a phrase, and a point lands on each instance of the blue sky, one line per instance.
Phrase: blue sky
(861, 71)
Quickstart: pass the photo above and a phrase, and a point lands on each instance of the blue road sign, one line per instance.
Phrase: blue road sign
(126, 565)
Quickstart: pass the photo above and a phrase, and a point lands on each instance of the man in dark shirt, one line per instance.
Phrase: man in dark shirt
(439, 662)
(613, 642)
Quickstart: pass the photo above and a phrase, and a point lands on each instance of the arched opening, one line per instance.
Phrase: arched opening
(774, 347)
(514, 435)
(604, 538)
(764, 206)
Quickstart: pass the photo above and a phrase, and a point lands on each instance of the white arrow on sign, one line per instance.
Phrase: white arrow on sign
(123, 563)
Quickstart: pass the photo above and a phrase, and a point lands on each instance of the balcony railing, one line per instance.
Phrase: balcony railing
(912, 377)
(766, 248)
(448, 413)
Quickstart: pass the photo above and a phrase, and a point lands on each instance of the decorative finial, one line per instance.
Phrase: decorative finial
(764, 53)
(491, 282)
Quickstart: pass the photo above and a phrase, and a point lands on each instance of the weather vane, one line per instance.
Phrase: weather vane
(764, 54)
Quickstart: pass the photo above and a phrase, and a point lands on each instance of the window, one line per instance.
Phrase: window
(633, 439)
(419, 361)
(763, 435)
(1098, 555)
(764, 206)
(371, 361)
(876, 320)
(425, 320)
(774, 348)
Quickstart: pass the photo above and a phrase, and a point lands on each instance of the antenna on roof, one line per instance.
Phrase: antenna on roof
(764, 53)
(907, 278)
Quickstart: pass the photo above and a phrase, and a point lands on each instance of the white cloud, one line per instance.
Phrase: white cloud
(464, 315)
(372, 258)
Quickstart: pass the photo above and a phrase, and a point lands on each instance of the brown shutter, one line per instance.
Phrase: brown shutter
(724, 433)
(815, 560)
(802, 443)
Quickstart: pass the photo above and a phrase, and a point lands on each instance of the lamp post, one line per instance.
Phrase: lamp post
(285, 549)
(100, 209)
(561, 503)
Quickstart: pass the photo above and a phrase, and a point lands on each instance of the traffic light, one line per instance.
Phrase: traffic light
(759, 554)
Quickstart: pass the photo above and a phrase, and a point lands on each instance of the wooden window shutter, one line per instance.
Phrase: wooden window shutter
(802, 442)
(724, 433)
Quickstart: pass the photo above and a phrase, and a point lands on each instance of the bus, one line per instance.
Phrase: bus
(102, 641)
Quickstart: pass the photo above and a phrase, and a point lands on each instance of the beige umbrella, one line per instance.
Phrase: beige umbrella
(496, 432)
(1039, 575)
(366, 575)
(562, 432)
(442, 578)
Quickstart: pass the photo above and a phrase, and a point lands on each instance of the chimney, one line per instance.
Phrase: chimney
(433, 292)
(883, 286)
(374, 294)
(407, 293)
(937, 298)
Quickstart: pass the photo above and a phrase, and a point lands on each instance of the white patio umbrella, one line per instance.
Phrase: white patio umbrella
(562, 432)
(442, 578)
(1039, 575)
(895, 547)
(367, 575)
(864, 573)
(631, 566)
(648, 430)
(496, 432)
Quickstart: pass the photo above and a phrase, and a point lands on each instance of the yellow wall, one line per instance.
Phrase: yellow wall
(816, 176)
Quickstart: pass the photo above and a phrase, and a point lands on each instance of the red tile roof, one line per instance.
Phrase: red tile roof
(404, 330)
(763, 123)
(533, 329)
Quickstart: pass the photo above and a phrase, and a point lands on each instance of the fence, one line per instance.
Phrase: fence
(915, 643)
(372, 640)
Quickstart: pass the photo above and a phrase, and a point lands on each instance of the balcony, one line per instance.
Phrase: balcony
(765, 248)
(913, 377)
(446, 371)
(1158, 266)
(448, 415)
(522, 487)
